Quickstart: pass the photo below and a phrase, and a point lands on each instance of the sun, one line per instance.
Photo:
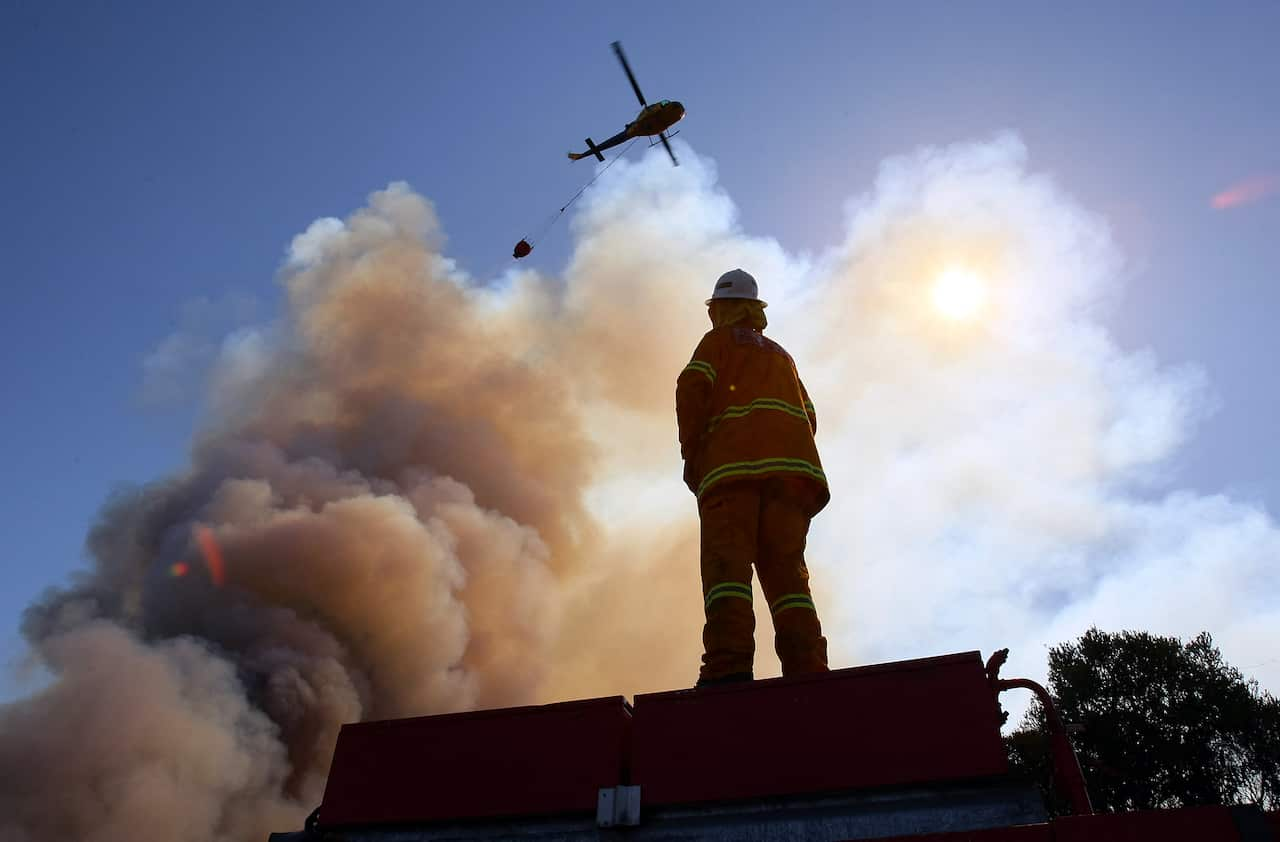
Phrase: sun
(958, 294)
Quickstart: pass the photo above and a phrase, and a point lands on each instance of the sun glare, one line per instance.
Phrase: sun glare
(958, 294)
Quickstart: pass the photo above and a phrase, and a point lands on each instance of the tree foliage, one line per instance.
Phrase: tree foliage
(1164, 724)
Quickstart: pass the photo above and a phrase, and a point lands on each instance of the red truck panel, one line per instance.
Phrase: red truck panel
(926, 721)
(1192, 824)
(483, 764)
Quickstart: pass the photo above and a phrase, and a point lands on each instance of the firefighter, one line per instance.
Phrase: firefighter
(746, 436)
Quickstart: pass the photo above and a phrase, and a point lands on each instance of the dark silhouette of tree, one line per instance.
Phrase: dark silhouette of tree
(1159, 724)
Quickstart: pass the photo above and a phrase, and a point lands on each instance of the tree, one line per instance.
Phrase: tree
(1163, 724)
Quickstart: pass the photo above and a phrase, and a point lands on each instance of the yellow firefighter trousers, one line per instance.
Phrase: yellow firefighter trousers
(762, 523)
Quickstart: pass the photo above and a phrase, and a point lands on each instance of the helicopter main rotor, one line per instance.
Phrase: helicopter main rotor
(617, 50)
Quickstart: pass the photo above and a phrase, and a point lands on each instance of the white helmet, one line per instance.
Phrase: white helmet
(736, 284)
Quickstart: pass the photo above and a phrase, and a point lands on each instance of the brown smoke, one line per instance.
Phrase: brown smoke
(433, 494)
(396, 478)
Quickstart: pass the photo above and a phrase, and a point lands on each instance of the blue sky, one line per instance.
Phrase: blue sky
(158, 154)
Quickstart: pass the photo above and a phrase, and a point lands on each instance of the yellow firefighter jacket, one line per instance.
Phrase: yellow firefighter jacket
(744, 414)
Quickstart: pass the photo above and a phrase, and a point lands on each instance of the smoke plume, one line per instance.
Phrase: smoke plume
(435, 492)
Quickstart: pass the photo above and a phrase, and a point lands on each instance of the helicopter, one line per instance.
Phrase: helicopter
(652, 120)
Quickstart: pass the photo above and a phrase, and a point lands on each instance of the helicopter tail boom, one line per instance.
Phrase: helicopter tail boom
(592, 149)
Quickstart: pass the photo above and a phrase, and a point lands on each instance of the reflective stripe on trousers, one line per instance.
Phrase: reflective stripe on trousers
(757, 524)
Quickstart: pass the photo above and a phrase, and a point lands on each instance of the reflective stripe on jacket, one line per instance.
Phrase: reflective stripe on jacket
(744, 414)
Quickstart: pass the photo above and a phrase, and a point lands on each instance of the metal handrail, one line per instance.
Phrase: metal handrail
(1066, 766)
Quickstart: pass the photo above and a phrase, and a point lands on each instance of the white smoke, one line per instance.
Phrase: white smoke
(998, 482)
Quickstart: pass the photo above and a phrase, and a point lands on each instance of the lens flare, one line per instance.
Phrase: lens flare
(958, 294)
(212, 554)
(179, 568)
(1245, 192)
